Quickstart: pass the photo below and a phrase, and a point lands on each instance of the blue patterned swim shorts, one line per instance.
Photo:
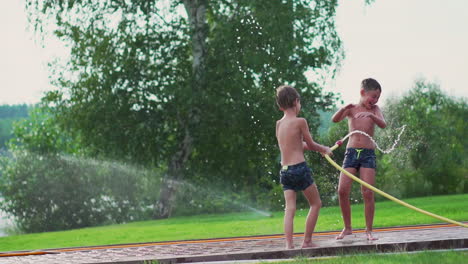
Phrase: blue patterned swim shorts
(296, 177)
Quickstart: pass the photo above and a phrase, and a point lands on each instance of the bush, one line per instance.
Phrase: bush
(55, 192)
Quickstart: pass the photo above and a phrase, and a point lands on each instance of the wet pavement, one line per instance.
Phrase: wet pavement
(409, 238)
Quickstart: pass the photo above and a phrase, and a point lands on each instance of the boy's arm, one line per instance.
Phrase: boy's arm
(378, 118)
(342, 113)
(309, 143)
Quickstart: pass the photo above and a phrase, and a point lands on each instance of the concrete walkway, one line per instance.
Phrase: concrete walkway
(409, 238)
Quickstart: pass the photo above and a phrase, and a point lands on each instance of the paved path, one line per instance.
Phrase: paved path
(259, 247)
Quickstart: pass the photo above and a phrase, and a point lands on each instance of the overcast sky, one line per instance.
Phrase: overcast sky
(394, 42)
(399, 41)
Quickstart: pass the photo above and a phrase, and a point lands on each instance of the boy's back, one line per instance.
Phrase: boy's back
(293, 137)
(290, 138)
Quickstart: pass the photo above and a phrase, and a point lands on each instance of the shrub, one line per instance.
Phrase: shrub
(55, 192)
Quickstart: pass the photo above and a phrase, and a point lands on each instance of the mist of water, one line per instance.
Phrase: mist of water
(6, 222)
(226, 198)
(183, 185)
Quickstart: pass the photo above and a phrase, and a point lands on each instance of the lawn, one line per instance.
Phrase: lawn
(237, 224)
(427, 257)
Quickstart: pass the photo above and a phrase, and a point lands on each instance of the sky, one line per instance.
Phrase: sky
(395, 42)
(399, 41)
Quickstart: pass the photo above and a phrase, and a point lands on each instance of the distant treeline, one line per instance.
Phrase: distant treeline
(14, 111)
(8, 115)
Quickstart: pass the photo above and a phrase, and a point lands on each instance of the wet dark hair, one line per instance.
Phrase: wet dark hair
(370, 84)
(286, 96)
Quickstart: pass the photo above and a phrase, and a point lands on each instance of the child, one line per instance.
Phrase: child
(293, 137)
(360, 155)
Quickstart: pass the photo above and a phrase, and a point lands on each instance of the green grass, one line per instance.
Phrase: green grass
(427, 257)
(237, 224)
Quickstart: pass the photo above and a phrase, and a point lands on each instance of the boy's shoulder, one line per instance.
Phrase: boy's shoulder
(292, 120)
(299, 120)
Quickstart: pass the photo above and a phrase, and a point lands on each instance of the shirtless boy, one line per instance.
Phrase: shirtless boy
(293, 137)
(360, 154)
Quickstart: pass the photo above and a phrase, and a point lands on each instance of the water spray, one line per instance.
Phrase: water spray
(386, 195)
(339, 142)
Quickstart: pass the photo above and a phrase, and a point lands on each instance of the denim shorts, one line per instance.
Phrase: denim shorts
(359, 157)
(296, 177)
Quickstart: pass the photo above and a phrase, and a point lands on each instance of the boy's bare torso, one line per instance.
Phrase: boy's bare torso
(289, 135)
(365, 124)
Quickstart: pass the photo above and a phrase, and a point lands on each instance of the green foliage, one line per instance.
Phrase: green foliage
(126, 93)
(47, 192)
(250, 55)
(130, 93)
(6, 127)
(46, 185)
(8, 115)
(432, 156)
(40, 133)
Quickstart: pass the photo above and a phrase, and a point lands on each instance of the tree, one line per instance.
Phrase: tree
(193, 91)
(432, 156)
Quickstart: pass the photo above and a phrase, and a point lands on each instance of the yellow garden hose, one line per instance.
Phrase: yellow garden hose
(332, 162)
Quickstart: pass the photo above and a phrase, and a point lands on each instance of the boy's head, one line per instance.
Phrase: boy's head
(370, 92)
(286, 97)
(370, 84)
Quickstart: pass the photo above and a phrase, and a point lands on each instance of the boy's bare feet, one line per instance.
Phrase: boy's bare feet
(344, 233)
(370, 236)
(308, 244)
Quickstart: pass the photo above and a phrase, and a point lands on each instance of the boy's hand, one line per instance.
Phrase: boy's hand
(327, 151)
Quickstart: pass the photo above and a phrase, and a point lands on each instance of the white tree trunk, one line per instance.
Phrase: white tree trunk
(196, 11)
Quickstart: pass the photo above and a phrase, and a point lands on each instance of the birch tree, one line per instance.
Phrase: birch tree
(187, 86)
